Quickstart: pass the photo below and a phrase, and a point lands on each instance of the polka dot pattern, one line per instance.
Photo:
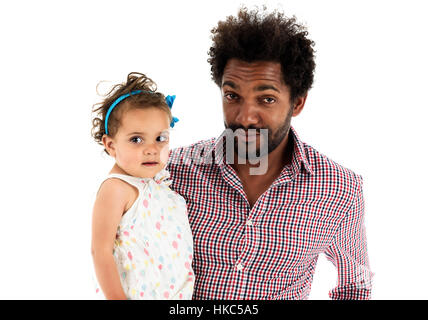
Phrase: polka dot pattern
(154, 247)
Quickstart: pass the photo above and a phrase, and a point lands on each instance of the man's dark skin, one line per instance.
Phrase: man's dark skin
(255, 96)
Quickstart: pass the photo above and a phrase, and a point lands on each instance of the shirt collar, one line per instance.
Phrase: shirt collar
(299, 158)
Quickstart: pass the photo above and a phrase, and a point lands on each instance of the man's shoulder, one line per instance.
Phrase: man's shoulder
(326, 168)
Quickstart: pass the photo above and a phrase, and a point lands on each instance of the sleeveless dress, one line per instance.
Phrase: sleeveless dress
(153, 249)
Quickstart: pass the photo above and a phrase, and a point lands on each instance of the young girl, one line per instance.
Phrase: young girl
(141, 240)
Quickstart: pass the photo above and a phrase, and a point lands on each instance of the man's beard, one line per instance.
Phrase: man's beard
(274, 137)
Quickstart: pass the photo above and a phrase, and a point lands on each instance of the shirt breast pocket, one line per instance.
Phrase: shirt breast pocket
(293, 236)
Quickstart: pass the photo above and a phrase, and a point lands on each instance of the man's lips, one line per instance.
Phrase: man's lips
(248, 136)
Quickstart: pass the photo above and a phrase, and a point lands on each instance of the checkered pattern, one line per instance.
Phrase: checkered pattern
(270, 251)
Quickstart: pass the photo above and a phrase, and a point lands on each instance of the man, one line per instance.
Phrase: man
(258, 236)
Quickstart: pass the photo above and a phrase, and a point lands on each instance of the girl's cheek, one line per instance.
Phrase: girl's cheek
(127, 156)
(163, 155)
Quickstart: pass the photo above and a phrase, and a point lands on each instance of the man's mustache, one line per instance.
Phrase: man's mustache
(235, 127)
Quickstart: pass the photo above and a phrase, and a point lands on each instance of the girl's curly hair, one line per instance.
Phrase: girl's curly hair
(148, 98)
(254, 36)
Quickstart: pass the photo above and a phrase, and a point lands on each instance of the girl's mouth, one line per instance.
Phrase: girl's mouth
(150, 164)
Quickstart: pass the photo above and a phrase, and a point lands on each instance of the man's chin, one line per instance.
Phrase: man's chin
(249, 151)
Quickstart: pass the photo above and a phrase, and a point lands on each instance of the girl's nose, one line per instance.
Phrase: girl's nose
(150, 149)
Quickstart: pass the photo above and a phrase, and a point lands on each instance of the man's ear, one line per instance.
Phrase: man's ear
(299, 103)
(109, 145)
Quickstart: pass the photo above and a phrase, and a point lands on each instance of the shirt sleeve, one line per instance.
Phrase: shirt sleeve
(348, 252)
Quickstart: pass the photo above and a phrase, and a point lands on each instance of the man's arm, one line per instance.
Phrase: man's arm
(348, 252)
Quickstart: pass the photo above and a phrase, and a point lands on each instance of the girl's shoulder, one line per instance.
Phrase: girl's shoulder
(113, 184)
(118, 189)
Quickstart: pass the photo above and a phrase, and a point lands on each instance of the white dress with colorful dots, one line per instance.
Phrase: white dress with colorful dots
(154, 246)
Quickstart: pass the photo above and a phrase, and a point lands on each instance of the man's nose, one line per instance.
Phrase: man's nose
(247, 115)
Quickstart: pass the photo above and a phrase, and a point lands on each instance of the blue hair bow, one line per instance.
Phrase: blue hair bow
(169, 101)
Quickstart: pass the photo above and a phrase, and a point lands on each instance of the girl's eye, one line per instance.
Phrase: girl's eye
(136, 140)
(162, 138)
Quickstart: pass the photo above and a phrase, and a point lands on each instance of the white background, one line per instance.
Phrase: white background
(367, 110)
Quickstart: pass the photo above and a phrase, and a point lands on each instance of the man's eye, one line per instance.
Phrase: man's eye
(162, 138)
(136, 140)
(230, 96)
(268, 100)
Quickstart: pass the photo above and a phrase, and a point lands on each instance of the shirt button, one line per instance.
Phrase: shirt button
(249, 222)
(239, 267)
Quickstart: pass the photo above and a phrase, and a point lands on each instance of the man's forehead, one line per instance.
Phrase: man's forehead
(240, 70)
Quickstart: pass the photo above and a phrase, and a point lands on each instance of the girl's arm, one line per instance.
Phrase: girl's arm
(110, 204)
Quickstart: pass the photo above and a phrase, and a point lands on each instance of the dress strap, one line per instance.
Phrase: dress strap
(162, 177)
(133, 181)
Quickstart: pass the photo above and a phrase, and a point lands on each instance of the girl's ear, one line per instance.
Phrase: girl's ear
(109, 145)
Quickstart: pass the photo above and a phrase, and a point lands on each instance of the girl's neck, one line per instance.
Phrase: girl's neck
(118, 170)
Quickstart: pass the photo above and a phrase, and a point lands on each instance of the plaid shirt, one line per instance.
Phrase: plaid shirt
(270, 251)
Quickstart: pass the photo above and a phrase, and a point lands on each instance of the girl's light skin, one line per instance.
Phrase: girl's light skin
(142, 138)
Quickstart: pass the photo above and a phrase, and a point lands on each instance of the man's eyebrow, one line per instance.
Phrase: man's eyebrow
(266, 87)
(230, 84)
(262, 87)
